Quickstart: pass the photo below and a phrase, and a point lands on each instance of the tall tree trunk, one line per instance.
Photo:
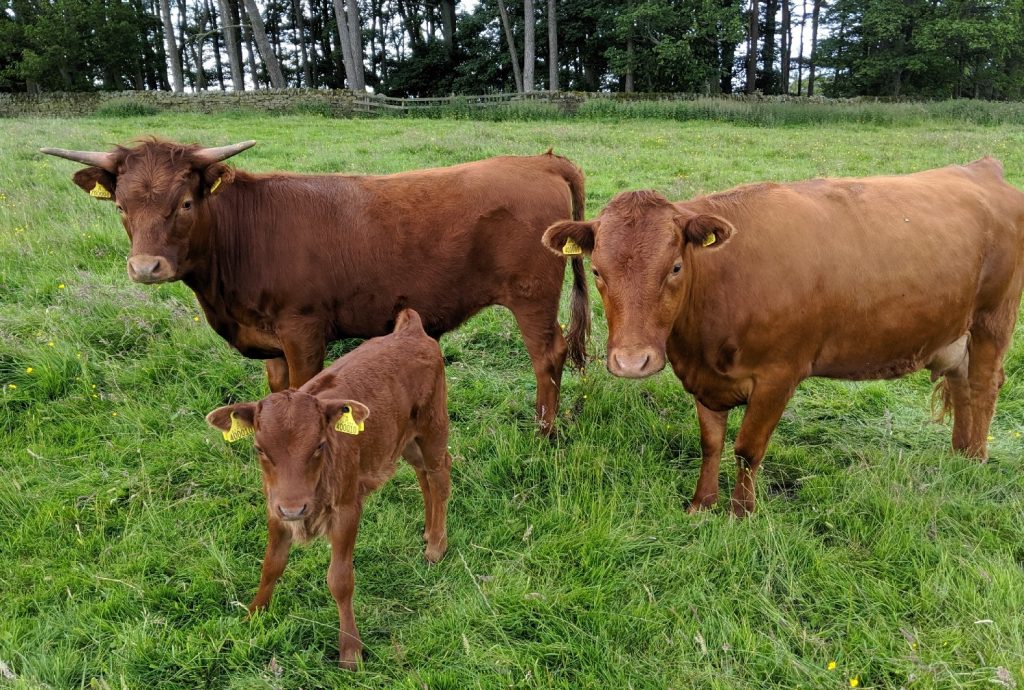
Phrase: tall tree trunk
(552, 47)
(517, 75)
(529, 45)
(346, 45)
(786, 39)
(752, 46)
(300, 38)
(800, 58)
(355, 34)
(726, 55)
(259, 34)
(229, 24)
(215, 30)
(183, 48)
(171, 46)
(814, 47)
(768, 47)
(448, 25)
(630, 56)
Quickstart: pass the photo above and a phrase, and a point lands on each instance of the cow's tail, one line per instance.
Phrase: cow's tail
(942, 401)
(578, 334)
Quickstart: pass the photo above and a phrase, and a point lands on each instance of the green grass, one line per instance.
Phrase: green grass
(130, 534)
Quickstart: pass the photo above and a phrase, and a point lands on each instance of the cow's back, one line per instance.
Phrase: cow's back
(858, 278)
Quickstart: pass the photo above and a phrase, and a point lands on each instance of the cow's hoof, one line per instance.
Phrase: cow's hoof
(435, 552)
(699, 505)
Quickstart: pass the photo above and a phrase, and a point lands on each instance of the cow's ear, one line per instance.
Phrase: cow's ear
(215, 177)
(346, 416)
(705, 230)
(98, 182)
(235, 421)
(571, 237)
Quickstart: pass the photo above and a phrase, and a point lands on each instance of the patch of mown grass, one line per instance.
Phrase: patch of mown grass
(131, 535)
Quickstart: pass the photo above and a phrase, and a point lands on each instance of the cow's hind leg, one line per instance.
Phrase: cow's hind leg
(953, 391)
(712, 438)
(990, 337)
(538, 322)
(764, 409)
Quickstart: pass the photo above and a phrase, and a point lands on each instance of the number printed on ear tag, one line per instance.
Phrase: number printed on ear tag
(238, 430)
(100, 192)
(571, 247)
(347, 423)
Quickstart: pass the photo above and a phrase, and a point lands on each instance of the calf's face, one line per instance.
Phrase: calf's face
(160, 189)
(641, 250)
(294, 433)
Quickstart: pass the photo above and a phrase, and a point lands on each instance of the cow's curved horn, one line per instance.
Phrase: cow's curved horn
(219, 153)
(98, 158)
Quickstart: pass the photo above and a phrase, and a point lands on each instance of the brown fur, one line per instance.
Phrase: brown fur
(315, 477)
(283, 263)
(845, 278)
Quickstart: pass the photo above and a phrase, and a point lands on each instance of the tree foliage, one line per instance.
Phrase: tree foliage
(896, 48)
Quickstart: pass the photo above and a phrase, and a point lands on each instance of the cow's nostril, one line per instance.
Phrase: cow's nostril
(291, 513)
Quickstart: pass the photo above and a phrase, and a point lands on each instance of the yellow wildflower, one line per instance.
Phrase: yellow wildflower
(855, 681)
(61, 286)
(831, 666)
(29, 370)
(51, 344)
(12, 385)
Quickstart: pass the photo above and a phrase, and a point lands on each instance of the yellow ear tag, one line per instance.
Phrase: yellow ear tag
(100, 192)
(238, 430)
(571, 247)
(347, 423)
(709, 240)
(213, 189)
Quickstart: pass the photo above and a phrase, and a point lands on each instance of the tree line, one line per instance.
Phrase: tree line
(893, 48)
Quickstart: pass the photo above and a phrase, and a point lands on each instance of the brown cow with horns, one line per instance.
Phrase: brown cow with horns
(284, 263)
(749, 291)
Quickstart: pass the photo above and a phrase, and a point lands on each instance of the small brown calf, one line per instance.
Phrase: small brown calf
(327, 445)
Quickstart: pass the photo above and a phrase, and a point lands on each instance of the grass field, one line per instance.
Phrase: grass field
(131, 535)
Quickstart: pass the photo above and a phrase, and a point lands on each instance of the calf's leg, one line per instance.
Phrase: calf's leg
(432, 463)
(341, 581)
(712, 439)
(538, 322)
(279, 540)
(764, 409)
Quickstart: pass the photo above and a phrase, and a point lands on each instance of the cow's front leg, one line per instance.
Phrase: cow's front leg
(304, 344)
(277, 374)
(341, 580)
(712, 439)
(764, 409)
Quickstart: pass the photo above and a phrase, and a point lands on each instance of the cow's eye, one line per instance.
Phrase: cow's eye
(320, 448)
(596, 274)
(119, 207)
(677, 268)
(186, 204)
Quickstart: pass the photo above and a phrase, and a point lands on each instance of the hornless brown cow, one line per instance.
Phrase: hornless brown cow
(283, 263)
(329, 444)
(750, 291)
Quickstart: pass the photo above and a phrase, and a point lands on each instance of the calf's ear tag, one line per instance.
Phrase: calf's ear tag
(213, 189)
(709, 240)
(238, 430)
(570, 247)
(347, 423)
(100, 192)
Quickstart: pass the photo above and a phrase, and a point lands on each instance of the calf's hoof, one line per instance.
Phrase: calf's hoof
(435, 552)
(349, 659)
(741, 508)
(700, 504)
